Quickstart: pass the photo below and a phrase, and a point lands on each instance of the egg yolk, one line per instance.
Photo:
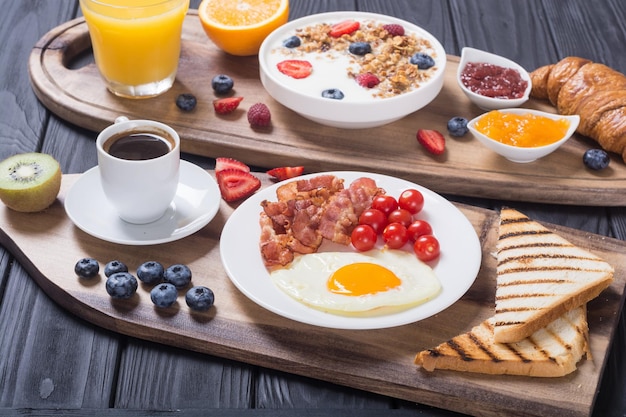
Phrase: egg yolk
(362, 278)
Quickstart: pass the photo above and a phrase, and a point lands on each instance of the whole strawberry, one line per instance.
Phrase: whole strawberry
(259, 115)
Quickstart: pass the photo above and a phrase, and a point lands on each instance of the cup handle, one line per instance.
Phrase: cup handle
(121, 119)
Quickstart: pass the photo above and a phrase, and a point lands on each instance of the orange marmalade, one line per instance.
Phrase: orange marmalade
(522, 130)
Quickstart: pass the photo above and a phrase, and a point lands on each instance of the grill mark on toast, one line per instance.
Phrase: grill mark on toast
(514, 234)
(543, 255)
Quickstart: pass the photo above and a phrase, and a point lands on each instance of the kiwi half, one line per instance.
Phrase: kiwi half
(29, 182)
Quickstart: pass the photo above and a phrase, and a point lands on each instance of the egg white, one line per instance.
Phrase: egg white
(306, 277)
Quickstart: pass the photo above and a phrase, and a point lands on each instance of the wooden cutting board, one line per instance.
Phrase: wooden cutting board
(48, 245)
(77, 94)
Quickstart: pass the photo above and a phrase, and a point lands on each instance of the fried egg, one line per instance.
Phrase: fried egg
(363, 283)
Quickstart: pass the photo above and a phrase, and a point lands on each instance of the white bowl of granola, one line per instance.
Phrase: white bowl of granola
(352, 70)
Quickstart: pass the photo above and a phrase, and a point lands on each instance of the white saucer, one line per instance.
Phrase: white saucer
(196, 202)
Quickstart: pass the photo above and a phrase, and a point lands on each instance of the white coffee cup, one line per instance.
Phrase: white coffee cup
(141, 190)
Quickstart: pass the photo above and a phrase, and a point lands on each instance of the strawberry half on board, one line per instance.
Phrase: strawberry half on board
(226, 105)
(285, 173)
(295, 68)
(235, 184)
(222, 163)
(432, 140)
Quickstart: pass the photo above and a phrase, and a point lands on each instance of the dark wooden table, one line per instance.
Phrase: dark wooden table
(53, 363)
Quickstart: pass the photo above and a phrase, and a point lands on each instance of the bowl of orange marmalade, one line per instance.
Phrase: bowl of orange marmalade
(523, 135)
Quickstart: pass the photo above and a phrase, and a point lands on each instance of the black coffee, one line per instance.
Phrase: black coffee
(137, 146)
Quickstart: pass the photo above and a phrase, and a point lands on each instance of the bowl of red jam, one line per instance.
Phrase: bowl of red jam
(523, 135)
(492, 81)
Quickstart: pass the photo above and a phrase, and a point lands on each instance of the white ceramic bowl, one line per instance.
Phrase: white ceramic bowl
(358, 109)
(519, 154)
(490, 103)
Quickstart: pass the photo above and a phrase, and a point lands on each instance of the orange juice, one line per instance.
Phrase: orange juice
(136, 43)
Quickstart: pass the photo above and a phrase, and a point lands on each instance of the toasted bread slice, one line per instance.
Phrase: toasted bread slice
(550, 352)
(540, 276)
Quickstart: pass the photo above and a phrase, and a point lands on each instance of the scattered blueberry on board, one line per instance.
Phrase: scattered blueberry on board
(179, 275)
(596, 159)
(114, 266)
(87, 268)
(121, 285)
(164, 295)
(150, 272)
(457, 126)
(186, 101)
(199, 298)
(222, 84)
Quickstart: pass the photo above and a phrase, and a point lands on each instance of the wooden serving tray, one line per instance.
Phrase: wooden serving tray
(48, 245)
(467, 168)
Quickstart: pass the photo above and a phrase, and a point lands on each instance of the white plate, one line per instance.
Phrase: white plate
(196, 202)
(456, 268)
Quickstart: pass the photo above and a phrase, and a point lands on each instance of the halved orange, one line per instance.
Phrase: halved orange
(240, 26)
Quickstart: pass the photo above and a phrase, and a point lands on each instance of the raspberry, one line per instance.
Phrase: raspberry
(259, 115)
(367, 80)
(394, 29)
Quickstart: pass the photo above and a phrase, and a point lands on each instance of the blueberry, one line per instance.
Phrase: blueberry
(121, 285)
(457, 126)
(292, 42)
(87, 268)
(222, 84)
(199, 298)
(360, 48)
(596, 159)
(179, 275)
(164, 295)
(114, 266)
(422, 60)
(186, 101)
(334, 93)
(150, 272)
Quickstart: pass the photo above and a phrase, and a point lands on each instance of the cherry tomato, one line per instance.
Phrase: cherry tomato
(375, 218)
(426, 248)
(419, 228)
(395, 235)
(400, 216)
(385, 203)
(363, 237)
(411, 200)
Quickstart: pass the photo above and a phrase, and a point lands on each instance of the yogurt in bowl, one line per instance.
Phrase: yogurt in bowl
(408, 69)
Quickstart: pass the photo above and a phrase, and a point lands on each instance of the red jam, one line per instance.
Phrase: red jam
(493, 81)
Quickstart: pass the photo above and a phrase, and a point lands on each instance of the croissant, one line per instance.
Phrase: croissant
(596, 92)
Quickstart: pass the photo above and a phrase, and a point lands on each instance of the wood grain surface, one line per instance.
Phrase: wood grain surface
(47, 244)
(78, 95)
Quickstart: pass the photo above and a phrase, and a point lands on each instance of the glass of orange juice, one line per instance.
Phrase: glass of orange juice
(136, 43)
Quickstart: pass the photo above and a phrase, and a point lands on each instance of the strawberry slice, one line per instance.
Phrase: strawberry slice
(226, 105)
(236, 185)
(284, 173)
(344, 28)
(222, 163)
(432, 140)
(295, 68)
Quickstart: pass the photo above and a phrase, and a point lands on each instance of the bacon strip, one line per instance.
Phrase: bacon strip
(309, 211)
